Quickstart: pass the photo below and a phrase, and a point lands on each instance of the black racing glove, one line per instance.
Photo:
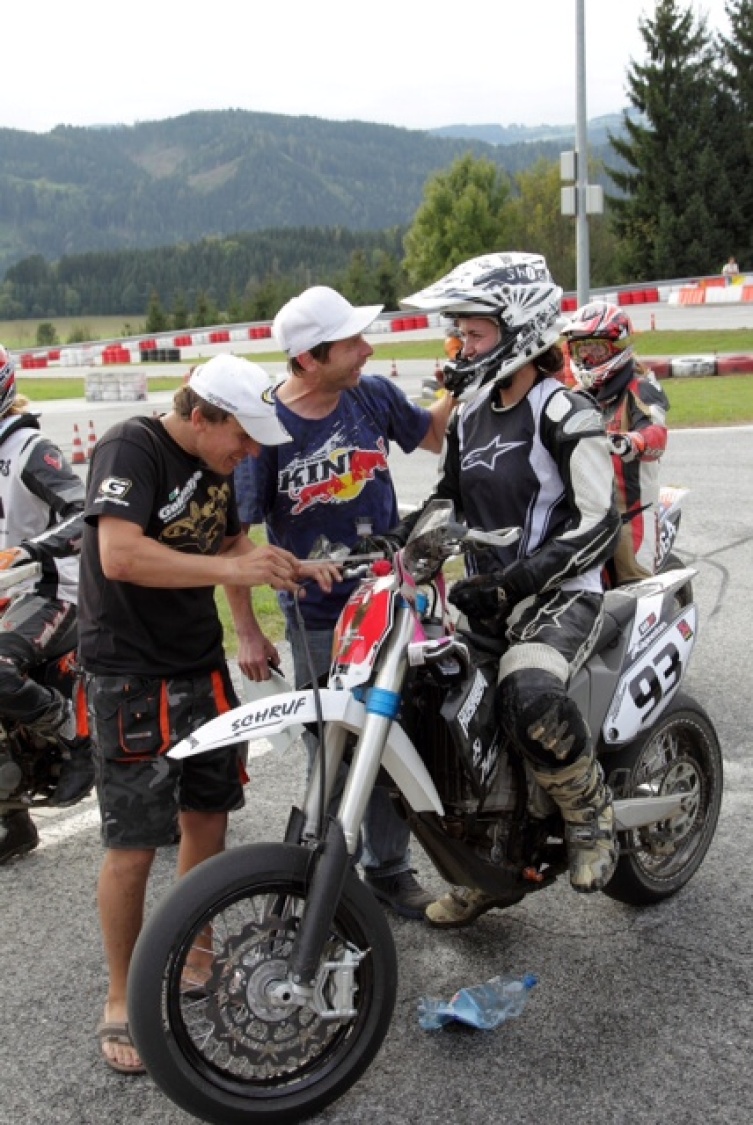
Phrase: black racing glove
(385, 545)
(482, 598)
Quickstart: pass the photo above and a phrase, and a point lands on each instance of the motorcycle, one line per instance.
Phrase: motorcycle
(299, 959)
(30, 764)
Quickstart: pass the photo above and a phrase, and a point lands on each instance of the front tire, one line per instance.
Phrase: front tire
(680, 753)
(229, 1053)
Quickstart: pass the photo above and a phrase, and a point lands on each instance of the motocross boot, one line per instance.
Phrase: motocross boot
(76, 772)
(585, 802)
(58, 723)
(18, 835)
(57, 719)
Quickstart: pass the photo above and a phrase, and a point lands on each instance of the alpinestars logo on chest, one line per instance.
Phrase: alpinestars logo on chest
(490, 453)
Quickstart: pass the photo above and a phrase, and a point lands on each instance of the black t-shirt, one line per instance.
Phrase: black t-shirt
(140, 474)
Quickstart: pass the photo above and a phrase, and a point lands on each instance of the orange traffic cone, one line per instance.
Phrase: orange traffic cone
(91, 441)
(79, 457)
(393, 372)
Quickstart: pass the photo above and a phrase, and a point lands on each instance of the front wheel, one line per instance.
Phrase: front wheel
(210, 1006)
(679, 754)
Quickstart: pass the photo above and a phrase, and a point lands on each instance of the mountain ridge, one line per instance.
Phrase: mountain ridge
(214, 173)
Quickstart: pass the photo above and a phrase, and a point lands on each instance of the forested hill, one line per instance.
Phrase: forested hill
(215, 173)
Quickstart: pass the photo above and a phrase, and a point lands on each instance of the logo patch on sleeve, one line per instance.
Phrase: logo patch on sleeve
(114, 487)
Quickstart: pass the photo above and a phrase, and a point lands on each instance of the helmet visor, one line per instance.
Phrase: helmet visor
(589, 354)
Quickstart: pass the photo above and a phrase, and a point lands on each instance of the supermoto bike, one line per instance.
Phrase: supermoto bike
(299, 960)
(30, 764)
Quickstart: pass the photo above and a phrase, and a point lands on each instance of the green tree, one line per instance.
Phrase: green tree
(388, 278)
(678, 204)
(206, 312)
(180, 317)
(79, 334)
(234, 307)
(466, 211)
(736, 80)
(537, 223)
(46, 334)
(156, 317)
(358, 284)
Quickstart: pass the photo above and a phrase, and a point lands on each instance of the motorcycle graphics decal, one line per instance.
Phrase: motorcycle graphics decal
(648, 619)
(266, 716)
(470, 707)
(364, 623)
(649, 683)
(469, 713)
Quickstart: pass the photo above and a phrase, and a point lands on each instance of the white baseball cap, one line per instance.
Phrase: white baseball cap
(242, 389)
(320, 315)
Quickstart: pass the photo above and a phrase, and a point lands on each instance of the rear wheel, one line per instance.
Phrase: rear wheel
(236, 1047)
(679, 754)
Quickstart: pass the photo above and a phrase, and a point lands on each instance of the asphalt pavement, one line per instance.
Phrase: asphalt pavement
(640, 1016)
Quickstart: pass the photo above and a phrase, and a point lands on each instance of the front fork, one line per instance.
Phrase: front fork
(335, 855)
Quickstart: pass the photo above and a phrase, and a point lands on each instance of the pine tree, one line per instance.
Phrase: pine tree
(156, 318)
(736, 78)
(679, 206)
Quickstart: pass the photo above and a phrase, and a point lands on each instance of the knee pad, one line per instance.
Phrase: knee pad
(543, 722)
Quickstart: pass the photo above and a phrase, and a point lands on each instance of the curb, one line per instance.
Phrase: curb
(665, 367)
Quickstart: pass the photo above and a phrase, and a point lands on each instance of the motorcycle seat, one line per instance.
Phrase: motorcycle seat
(618, 613)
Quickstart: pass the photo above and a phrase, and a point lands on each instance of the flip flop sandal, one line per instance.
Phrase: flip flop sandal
(118, 1033)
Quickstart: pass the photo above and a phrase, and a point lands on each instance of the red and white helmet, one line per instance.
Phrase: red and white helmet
(7, 381)
(599, 339)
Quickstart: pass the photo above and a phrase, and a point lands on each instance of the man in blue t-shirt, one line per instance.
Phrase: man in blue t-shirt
(333, 479)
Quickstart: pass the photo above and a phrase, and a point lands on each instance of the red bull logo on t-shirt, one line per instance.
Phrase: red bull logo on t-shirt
(336, 477)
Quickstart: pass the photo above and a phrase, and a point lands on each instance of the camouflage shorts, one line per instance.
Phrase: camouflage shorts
(135, 720)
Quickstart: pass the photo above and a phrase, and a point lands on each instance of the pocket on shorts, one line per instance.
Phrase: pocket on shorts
(132, 718)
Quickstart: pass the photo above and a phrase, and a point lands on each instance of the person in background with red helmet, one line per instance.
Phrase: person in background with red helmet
(599, 340)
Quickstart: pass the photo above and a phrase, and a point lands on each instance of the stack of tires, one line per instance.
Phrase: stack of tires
(160, 355)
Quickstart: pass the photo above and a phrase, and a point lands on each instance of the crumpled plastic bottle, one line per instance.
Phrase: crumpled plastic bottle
(484, 1006)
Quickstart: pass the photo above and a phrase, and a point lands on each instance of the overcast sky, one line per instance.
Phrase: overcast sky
(415, 63)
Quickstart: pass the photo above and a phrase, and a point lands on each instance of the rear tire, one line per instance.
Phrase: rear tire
(680, 753)
(232, 1052)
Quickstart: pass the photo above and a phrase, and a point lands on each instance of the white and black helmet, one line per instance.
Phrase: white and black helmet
(515, 290)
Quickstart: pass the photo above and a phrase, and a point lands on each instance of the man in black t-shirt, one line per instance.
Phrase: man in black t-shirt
(162, 531)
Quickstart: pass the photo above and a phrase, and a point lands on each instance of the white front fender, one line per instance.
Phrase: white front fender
(278, 712)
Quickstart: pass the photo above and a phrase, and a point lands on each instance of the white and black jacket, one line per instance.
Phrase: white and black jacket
(41, 504)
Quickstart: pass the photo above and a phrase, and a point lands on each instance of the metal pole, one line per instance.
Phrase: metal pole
(581, 148)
